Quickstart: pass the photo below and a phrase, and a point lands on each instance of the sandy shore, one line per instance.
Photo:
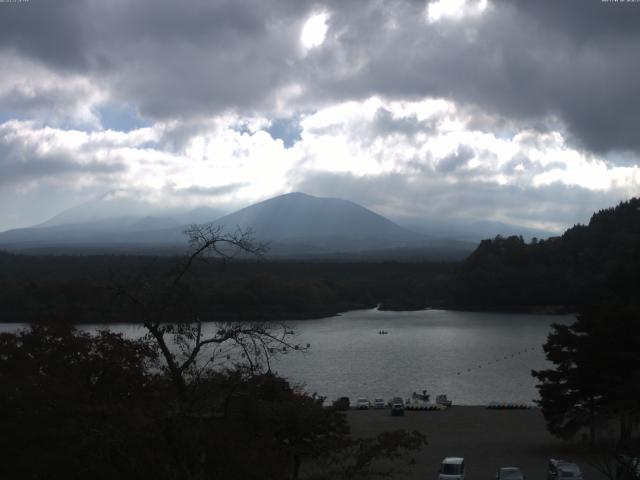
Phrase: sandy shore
(487, 439)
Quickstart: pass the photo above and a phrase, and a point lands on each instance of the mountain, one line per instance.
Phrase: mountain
(110, 206)
(114, 221)
(198, 215)
(117, 210)
(294, 225)
(299, 218)
(471, 230)
(300, 225)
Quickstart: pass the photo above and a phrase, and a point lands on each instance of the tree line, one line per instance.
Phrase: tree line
(587, 265)
(83, 289)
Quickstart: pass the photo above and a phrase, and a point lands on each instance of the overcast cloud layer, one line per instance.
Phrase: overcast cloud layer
(525, 112)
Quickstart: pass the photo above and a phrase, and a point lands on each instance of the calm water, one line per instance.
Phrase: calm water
(474, 358)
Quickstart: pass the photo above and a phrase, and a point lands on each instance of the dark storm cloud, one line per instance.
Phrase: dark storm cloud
(169, 59)
(53, 32)
(177, 61)
(511, 62)
(22, 161)
(531, 63)
(586, 21)
(598, 90)
(50, 166)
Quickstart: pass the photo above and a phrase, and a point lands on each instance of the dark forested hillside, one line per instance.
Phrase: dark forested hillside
(588, 264)
(85, 288)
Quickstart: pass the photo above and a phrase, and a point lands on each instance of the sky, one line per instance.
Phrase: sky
(526, 112)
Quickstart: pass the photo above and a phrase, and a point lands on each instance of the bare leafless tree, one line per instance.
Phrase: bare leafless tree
(188, 344)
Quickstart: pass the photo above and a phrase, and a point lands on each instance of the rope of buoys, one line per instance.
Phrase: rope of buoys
(432, 407)
(497, 360)
(508, 406)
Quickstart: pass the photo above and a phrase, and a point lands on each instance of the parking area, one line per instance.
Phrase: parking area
(487, 439)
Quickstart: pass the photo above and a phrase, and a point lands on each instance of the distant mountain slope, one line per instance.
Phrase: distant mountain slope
(110, 219)
(297, 217)
(116, 210)
(103, 208)
(471, 230)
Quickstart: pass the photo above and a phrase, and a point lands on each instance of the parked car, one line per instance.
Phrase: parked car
(510, 473)
(397, 406)
(379, 403)
(452, 468)
(563, 470)
(363, 403)
(343, 403)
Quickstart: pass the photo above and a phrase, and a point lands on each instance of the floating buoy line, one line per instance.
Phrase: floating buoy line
(508, 356)
(495, 361)
(508, 406)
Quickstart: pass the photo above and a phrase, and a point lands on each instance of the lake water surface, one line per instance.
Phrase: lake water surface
(475, 358)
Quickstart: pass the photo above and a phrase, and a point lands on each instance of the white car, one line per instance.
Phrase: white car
(363, 403)
(452, 468)
(379, 403)
(563, 470)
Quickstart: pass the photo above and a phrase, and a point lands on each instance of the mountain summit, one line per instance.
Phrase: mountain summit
(298, 217)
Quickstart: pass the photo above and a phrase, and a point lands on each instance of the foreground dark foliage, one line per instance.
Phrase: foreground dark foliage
(74, 405)
(77, 406)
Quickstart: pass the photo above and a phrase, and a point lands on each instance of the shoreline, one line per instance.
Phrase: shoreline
(291, 316)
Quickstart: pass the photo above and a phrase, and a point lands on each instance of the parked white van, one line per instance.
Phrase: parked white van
(563, 470)
(452, 468)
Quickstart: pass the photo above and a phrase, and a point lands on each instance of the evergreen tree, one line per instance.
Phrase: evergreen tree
(596, 379)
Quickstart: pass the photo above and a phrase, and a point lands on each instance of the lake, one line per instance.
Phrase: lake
(473, 357)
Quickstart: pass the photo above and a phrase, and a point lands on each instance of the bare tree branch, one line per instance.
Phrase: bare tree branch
(153, 298)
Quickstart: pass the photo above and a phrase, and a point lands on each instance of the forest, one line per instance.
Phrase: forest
(588, 264)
